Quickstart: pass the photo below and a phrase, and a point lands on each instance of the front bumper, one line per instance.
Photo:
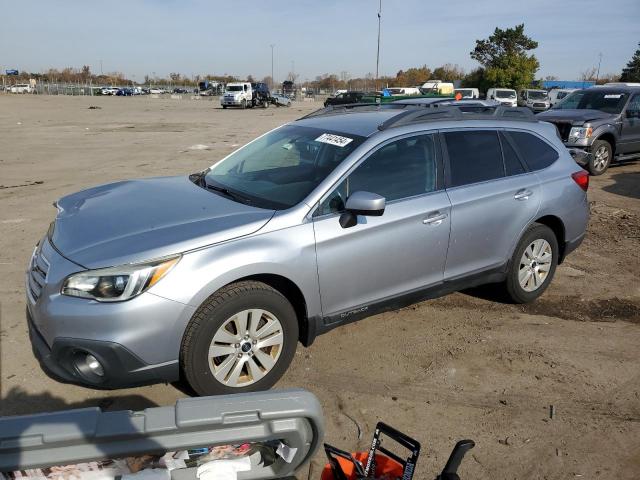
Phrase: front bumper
(232, 102)
(136, 341)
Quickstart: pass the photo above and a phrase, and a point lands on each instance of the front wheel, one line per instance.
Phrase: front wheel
(601, 154)
(244, 104)
(533, 264)
(241, 339)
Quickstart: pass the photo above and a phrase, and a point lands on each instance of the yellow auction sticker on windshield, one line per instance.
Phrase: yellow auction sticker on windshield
(332, 139)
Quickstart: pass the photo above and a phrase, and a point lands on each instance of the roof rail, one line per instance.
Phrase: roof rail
(347, 107)
(513, 112)
(416, 115)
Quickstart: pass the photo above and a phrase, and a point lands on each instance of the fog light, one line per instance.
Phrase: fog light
(94, 365)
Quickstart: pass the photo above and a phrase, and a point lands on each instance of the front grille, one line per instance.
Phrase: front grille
(564, 128)
(37, 273)
(539, 105)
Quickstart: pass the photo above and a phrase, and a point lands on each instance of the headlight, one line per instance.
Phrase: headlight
(116, 284)
(578, 133)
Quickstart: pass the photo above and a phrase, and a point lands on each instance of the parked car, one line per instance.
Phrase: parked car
(157, 90)
(124, 92)
(536, 100)
(344, 98)
(179, 90)
(604, 121)
(557, 94)
(21, 88)
(467, 92)
(280, 100)
(506, 96)
(437, 87)
(400, 91)
(316, 224)
(109, 90)
(261, 97)
(237, 94)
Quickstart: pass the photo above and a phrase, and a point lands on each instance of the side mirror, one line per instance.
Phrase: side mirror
(361, 203)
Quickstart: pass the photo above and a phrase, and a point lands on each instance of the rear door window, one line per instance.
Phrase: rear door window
(473, 156)
(536, 153)
(512, 164)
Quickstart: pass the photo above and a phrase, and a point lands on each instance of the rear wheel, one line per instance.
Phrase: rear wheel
(533, 264)
(601, 155)
(241, 339)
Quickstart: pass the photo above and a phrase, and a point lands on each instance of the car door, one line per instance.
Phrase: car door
(630, 134)
(404, 250)
(493, 198)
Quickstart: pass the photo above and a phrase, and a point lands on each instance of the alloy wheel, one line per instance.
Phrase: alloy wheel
(535, 264)
(245, 348)
(601, 158)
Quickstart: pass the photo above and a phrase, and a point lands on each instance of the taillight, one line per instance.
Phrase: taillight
(582, 179)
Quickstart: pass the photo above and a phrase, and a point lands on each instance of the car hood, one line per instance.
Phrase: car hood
(139, 220)
(577, 117)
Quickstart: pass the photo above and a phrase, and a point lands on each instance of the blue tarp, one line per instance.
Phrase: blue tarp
(567, 84)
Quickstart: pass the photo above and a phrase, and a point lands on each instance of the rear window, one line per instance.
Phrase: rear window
(536, 153)
(474, 156)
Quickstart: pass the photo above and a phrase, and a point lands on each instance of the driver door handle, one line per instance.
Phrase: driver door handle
(435, 218)
(523, 195)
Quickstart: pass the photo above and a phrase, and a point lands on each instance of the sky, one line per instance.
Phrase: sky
(156, 37)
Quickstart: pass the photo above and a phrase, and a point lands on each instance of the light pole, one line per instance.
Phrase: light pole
(378, 55)
(599, 62)
(272, 80)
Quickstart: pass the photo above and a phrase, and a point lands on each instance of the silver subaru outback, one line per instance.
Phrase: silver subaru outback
(214, 278)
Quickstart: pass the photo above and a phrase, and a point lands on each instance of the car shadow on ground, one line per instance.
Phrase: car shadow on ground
(626, 184)
(19, 402)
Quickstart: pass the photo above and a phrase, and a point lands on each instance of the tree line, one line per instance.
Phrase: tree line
(505, 58)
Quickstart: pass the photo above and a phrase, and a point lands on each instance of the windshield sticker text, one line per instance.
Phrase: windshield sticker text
(332, 139)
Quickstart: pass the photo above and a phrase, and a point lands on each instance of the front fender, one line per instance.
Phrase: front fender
(289, 253)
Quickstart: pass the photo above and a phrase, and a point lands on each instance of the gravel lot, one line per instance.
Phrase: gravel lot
(462, 366)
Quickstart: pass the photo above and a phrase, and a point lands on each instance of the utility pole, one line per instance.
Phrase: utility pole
(272, 79)
(599, 62)
(378, 56)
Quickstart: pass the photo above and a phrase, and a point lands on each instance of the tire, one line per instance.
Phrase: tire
(224, 107)
(601, 155)
(241, 365)
(265, 104)
(534, 283)
(244, 104)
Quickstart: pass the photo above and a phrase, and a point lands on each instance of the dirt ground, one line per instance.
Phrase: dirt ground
(463, 366)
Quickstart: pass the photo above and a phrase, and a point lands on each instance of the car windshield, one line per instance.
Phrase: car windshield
(234, 88)
(606, 101)
(279, 169)
(505, 94)
(537, 95)
(465, 92)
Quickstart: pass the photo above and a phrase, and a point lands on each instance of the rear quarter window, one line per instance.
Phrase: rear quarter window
(536, 153)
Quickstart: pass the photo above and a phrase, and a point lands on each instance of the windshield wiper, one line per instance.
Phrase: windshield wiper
(225, 191)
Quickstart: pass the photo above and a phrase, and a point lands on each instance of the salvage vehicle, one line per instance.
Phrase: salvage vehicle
(536, 100)
(280, 100)
(238, 94)
(603, 121)
(21, 88)
(557, 94)
(506, 96)
(344, 98)
(261, 97)
(468, 92)
(213, 278)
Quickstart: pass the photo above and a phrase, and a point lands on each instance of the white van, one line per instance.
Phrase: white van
(506, 96)
(437, 86)
(238, 94)
(400, 91)
(535, 99)
(467, 92)
(558, 94)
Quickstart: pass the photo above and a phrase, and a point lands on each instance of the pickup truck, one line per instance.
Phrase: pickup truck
(603, 121)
